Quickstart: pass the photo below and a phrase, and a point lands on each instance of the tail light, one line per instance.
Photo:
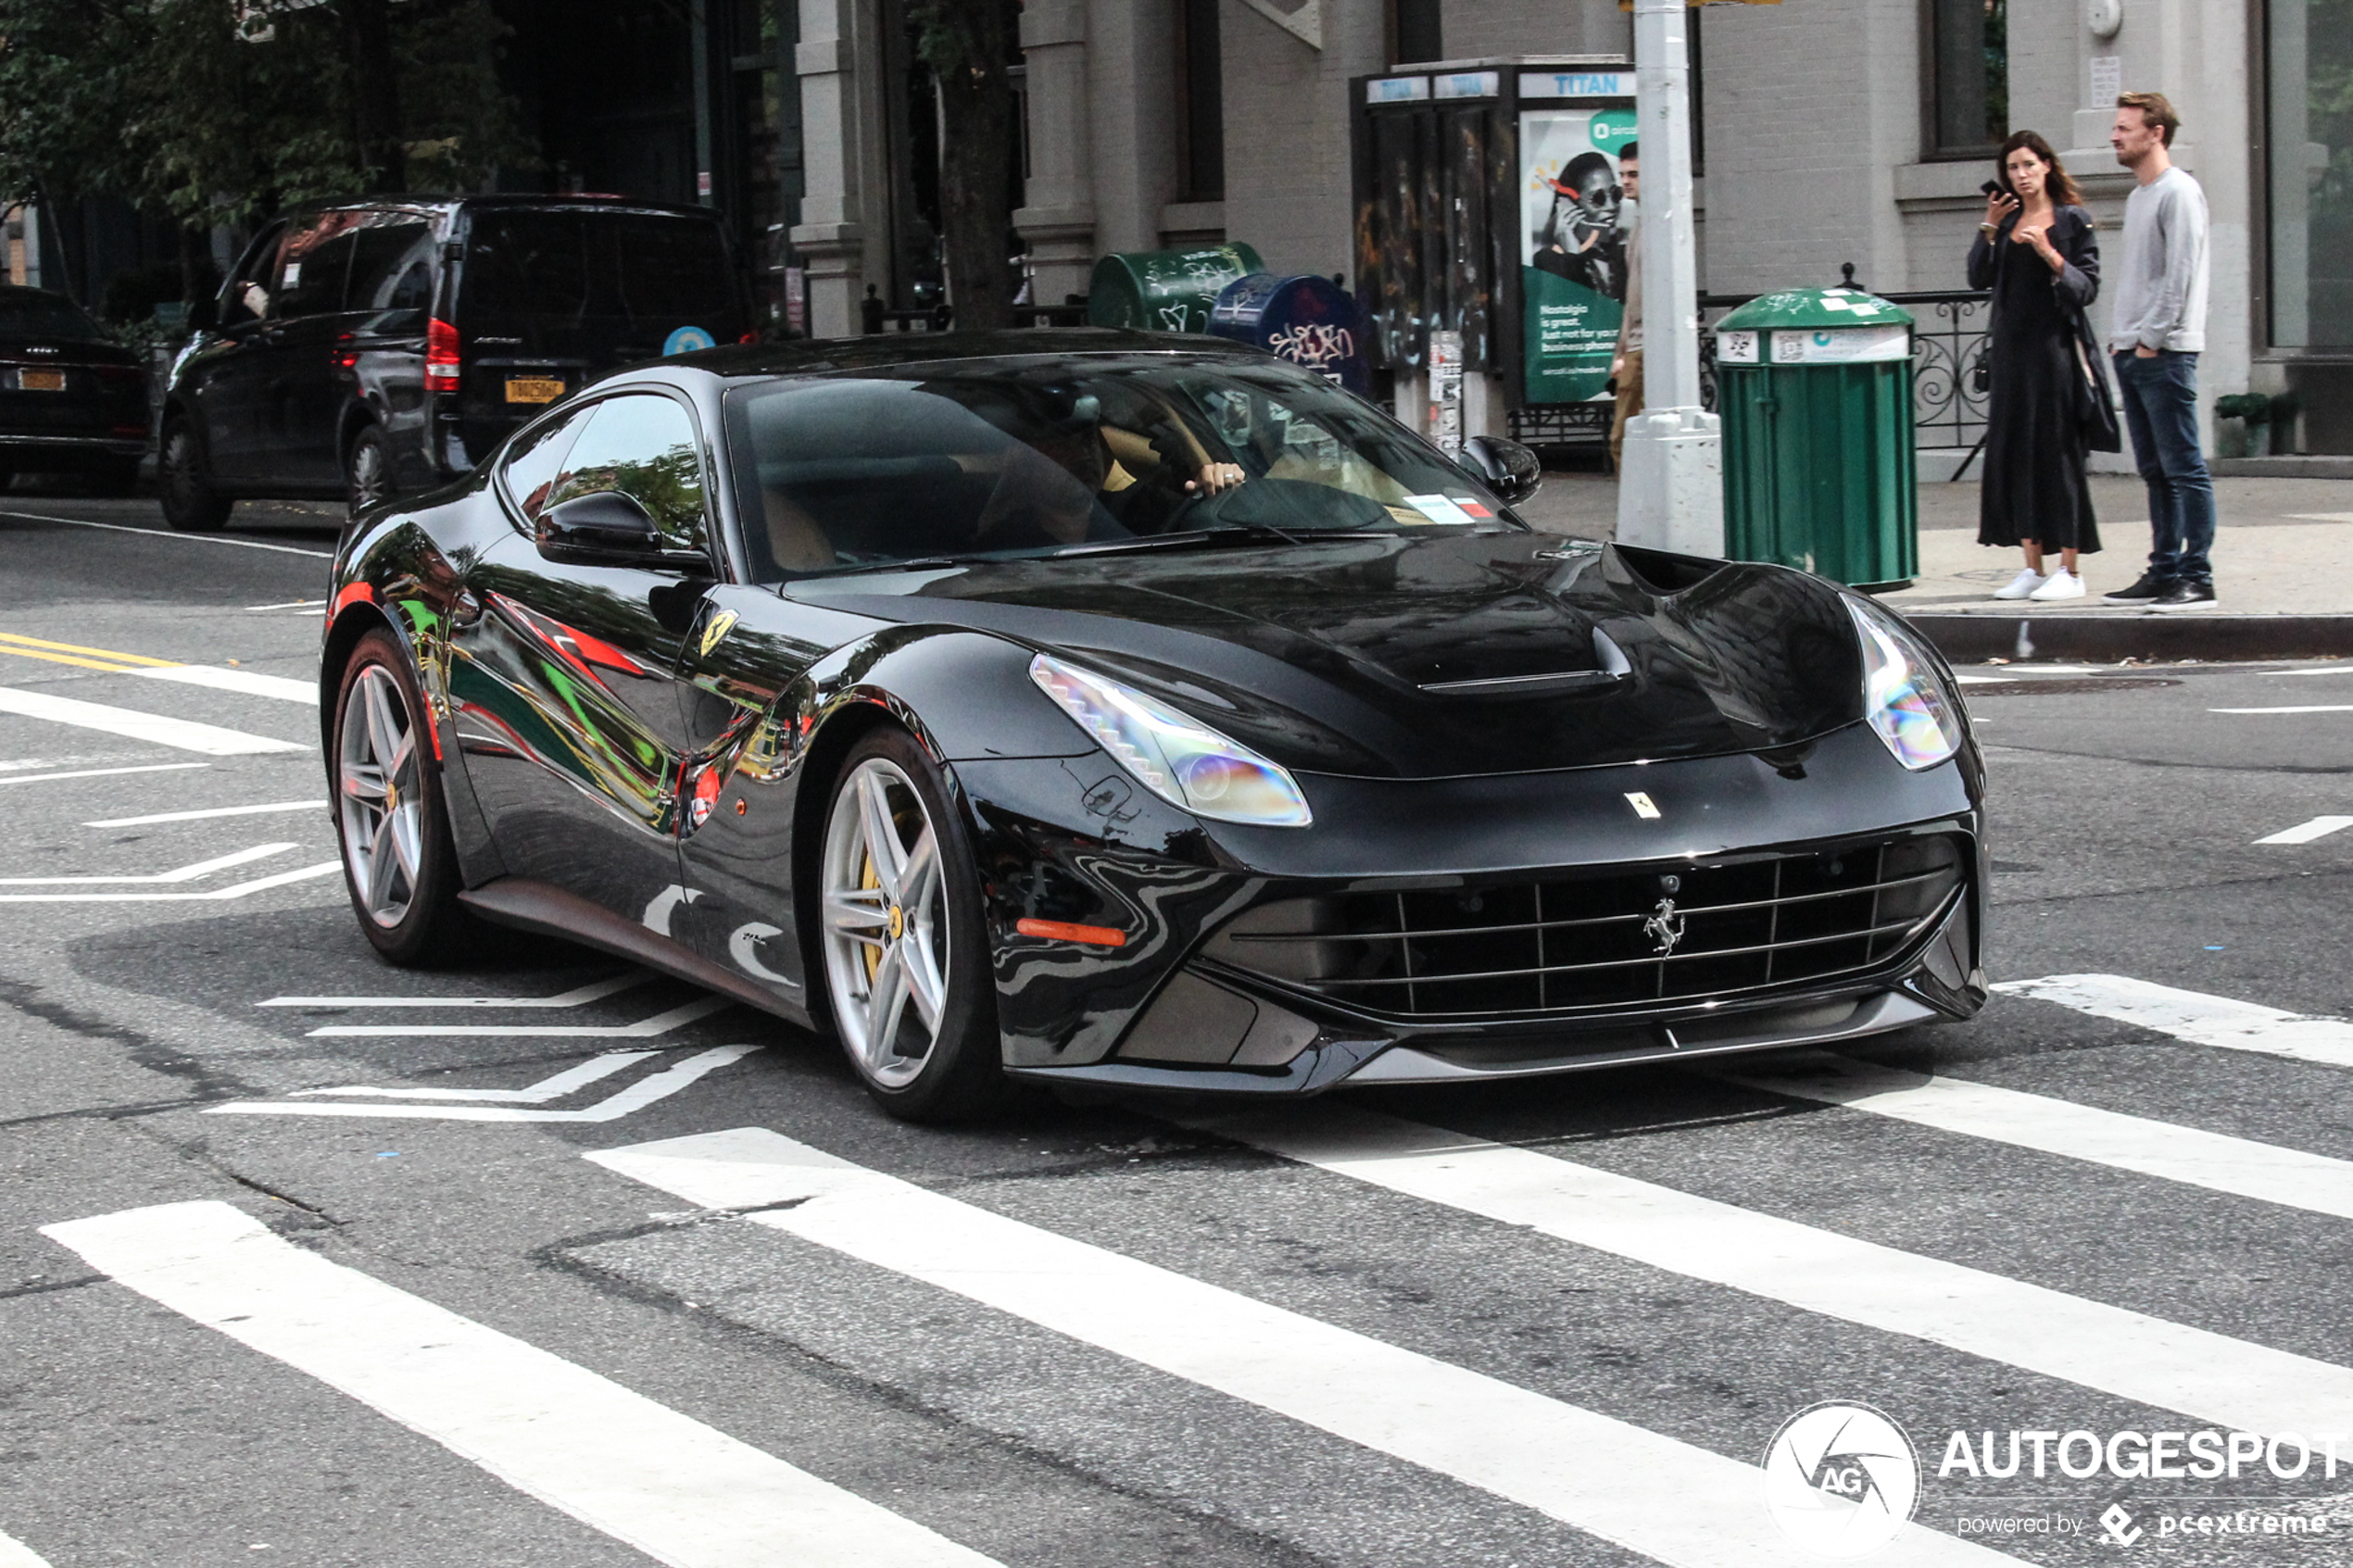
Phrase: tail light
(748, 337)
(348, 357)
(442, 358)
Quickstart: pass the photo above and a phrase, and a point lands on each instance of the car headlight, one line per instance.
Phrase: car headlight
(1903, 692)
(1177, 756)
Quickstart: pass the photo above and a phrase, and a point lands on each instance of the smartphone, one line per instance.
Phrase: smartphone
(1995, 188)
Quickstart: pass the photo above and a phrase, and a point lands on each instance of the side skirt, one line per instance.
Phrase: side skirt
(526, 905)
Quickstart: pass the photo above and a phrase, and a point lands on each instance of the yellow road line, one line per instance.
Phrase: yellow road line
(69, 658)
(76, 648)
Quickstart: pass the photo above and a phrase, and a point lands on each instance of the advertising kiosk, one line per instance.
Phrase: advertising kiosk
(1492, 229)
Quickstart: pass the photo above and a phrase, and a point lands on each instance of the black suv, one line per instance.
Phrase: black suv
(363, 348)
(71, 397)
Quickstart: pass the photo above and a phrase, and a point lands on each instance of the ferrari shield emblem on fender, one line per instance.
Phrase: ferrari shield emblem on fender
(715, 630)
(1643, 806)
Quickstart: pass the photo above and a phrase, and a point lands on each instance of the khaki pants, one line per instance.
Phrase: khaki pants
(1629, 403)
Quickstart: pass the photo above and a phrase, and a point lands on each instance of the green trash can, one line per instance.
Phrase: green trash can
(1164, 291)
(1815, 389)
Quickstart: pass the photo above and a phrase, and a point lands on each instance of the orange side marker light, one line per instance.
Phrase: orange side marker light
(1064, 931)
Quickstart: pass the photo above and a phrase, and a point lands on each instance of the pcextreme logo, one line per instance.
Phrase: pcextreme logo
(1841, 1479)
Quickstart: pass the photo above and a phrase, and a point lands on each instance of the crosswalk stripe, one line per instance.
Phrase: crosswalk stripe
(579, 995)
(1672, 1501)
(683, 1493)
(14, 1553)
(101, 774)
(236, 890)
(246, 683)
(2305, 708)
(185, 873)
(182, 734)
(2170, 1365)
(659, 1024)
(595, 1070)
(275, 809)
(2194, 1016)
(636, 1096)
(2165, 1149)
(2304, 833)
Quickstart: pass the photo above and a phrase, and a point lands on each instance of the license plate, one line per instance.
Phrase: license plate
(42, 381)
(533, 389)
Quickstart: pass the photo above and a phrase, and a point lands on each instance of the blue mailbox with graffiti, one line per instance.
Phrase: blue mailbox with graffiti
(1305, 319)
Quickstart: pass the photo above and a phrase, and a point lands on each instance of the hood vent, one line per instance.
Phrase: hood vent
(1610, 667)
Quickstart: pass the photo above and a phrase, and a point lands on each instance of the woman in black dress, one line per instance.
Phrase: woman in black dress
(2036, 253)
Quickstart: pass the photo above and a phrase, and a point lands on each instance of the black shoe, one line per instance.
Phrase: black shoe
(2190, 593)
(2148, 590)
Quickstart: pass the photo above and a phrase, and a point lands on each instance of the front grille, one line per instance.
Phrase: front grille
(1610, 940)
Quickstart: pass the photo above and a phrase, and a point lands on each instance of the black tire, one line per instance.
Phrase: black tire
(959, 1077)
(412, 917)
(190, 502)
(367, 470)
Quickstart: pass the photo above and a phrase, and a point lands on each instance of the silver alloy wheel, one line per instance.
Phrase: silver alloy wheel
(886, 915)
(379, 795)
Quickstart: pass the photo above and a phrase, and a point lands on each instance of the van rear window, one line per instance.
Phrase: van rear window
(548, 266)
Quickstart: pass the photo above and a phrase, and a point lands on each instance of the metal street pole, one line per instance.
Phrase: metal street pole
(1671, 494)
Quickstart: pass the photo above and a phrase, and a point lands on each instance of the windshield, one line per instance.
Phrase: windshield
(1036, 456)
(27, 313)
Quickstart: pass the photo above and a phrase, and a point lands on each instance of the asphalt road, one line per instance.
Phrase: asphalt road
(1556, 1323)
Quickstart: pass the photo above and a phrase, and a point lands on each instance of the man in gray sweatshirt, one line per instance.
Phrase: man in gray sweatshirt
(2159, 331)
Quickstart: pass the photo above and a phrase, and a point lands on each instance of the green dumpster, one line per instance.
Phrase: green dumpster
(1815, 388)
(1164, 291)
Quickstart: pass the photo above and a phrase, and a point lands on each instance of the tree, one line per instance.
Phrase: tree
(222, 111)
(970, 45)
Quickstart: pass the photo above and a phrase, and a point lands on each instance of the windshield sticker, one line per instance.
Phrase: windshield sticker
(1438, 509)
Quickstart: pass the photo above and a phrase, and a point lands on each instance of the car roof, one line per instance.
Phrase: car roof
(818, 356)
(444, 204)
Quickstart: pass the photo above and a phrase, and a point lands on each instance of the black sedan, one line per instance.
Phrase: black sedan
(1118, 709)
(71, 399)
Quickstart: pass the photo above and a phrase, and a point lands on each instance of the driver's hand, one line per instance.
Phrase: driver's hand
(1216, 477)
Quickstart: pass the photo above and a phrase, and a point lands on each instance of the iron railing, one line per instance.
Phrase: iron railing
(1948, 345)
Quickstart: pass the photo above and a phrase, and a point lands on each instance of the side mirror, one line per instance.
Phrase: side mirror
(606, 528)
(1508, 469)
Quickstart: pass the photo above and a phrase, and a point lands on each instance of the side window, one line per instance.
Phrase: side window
(248, 294)
(643, 446)
(313, 264)
(535, 461)
(391, 264)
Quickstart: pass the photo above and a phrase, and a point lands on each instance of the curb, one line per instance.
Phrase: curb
(2151, 638)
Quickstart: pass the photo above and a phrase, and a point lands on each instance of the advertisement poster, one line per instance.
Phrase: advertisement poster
(1574, 225)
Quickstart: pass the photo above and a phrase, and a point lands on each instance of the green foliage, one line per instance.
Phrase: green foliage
(163, 102)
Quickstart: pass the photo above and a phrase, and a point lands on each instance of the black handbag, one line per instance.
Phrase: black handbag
(2095, 405)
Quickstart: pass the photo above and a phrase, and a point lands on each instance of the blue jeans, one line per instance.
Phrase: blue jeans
(2161, 409)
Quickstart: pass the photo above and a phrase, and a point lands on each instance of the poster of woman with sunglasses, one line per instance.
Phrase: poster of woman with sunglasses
(1574, 227)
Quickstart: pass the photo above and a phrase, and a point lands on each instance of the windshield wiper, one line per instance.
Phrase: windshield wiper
(913, 563)
(1239, 533)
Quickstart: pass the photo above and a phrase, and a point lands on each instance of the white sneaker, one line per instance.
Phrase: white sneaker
(2061, 584)
(2022, 586)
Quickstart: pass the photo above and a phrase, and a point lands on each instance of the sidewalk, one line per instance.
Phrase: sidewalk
(2283, 569)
